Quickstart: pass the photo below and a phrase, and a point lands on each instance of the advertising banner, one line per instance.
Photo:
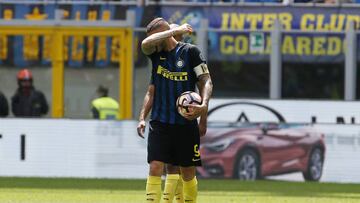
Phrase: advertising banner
(107, 149)
(263, 138)
(29, 50)
(291, 111)
(311, 47)
(262, 17)
(71, 148)
(314, 46)
(296, 152)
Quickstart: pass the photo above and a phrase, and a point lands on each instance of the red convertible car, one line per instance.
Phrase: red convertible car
(250, 151)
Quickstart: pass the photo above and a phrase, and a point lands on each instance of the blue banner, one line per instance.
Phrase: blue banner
(263, 17)
(314, 46)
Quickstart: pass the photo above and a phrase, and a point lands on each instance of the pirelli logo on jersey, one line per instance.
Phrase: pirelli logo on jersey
(176, 76)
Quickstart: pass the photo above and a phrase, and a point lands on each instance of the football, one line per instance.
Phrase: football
(186, 98)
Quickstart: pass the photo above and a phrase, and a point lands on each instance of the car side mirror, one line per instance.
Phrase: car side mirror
(264, 129)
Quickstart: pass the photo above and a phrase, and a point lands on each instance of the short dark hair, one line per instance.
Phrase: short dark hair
(154, 24)
(104, 91)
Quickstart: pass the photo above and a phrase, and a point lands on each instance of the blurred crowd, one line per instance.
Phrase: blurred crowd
(276, 1)
(249, 1)
(142, 2)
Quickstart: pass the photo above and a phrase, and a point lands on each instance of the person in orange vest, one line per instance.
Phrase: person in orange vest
(27, 101)
(104, 107)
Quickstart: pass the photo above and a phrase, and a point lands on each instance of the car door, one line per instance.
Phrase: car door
(277, 150)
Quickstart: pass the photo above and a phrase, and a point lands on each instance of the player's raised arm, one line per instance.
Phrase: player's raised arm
(147, 105)
(151, 43)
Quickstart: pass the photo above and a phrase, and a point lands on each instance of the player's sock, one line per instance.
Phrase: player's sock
(190, 190)
(170, 187)
(153, 189)
(179, 193)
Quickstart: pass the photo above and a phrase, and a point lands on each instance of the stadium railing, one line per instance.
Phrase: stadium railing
(275, 57)
(334, 3)
(58, 29)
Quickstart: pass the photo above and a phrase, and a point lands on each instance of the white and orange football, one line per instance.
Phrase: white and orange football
(186, 98)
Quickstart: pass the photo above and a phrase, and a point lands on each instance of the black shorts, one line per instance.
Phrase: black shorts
(174, 144)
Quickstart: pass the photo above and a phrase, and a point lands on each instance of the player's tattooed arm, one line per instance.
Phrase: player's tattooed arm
(148, 45)
(205, 88)
(147, 105)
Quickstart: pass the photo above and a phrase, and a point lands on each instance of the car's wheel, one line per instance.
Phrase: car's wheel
(315, 165)
(247, 166)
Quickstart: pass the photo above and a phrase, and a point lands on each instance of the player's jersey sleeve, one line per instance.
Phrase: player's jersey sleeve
(197, 61)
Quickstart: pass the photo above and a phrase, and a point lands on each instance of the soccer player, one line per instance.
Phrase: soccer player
(176, 67)
(173, 185)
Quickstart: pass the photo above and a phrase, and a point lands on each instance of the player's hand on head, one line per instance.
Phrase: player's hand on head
(141, 128)
(183, 29)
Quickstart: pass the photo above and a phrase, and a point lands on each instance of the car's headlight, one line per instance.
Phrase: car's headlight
(220, 145)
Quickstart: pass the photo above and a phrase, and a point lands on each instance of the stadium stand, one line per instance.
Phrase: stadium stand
(189, 2)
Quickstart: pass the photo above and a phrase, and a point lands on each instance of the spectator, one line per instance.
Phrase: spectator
(27, 101)
(4, 107)
(104, 107)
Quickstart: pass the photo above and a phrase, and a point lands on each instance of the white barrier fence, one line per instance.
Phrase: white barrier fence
(77, 148)
(71, 148)
(295, 111)
(109, 149)
(342, 158)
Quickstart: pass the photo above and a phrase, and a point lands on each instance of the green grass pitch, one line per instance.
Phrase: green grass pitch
(41, 190)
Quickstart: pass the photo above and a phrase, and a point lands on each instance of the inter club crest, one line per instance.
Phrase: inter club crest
(180, 63)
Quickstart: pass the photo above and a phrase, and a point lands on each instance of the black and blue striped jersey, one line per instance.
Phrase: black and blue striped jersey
(174, 72)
